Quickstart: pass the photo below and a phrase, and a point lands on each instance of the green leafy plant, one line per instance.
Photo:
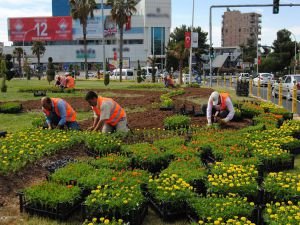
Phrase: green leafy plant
(51, 194)
(249, 110)
(103, 220)
(177, 122)
(10, 107)
(112, 161)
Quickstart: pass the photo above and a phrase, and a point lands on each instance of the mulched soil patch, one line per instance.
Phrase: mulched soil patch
(33, 173)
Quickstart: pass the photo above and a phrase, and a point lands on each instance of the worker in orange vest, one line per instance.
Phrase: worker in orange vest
(70, 82)
(59, 113)
(108, 114)
(219, 104)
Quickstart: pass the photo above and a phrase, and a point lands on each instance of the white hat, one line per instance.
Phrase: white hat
(67, 73)
(215, 97)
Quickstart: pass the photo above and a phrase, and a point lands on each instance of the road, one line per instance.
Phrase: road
(263, 94)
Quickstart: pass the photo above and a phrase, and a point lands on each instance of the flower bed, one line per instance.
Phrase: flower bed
(230, 178)
(148, 157)
(10, 107)
(125, 202)
(168, 195)
(103, 220)
(282, 186)
(100, 144)
(250, 110)
(232, 221)
(282, 213)
(213, 207)
(269, 119)
(51, 200)
(23, 147)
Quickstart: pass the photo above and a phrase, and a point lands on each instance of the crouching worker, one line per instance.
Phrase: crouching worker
(108, 114)
(219, 105)
(59, 113)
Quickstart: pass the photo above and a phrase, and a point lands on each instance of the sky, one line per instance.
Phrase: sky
(288, 17)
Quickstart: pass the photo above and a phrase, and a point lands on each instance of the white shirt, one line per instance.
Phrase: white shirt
(229, 107)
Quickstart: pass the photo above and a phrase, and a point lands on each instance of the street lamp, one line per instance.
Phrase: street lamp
(23, 47)
(191, 47)
(295, 52)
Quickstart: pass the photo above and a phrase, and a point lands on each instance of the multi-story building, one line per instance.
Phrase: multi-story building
(148, 35)
(238, 28)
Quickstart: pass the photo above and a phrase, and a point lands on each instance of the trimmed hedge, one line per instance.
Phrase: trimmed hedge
(10, 107)
(49, 89)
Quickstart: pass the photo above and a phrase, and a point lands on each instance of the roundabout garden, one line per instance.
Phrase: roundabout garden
(179, 170)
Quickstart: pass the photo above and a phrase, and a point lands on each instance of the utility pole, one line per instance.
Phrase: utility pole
(103, 40)
(191, 48)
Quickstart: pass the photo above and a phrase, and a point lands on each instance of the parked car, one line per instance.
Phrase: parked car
(244, 76)
(92, 74)
(186, 79)
(287, 86)
(264, 78)
(127, 74)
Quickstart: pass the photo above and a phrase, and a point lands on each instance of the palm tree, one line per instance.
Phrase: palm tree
(121, 11)
(152, 61)
(18, 52)
(38, 49)
(82, 9)
(179, 51)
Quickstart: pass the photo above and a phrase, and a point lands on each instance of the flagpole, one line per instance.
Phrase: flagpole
(103, 40)
(191, 48)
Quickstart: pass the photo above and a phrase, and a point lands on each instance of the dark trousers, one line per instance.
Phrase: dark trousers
(55, 120)
(222, 114)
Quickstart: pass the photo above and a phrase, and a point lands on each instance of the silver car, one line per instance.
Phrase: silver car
(287, 86)
(264, 79)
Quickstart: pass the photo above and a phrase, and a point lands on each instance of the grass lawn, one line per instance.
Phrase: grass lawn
(14, 85)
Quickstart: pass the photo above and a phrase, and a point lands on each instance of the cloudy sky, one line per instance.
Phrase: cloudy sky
(289, 17)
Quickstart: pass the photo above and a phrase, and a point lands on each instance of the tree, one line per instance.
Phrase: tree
(139, 73)
(106, 75)
(27, 69)
(179, 51)
(10, 73)
(50, 70)
(178, 35)
(98, 68)
(18, 52)
(82, 9)
(152, 61)
(121, 12)
(3, 71)
(249, 51)
(38, 49)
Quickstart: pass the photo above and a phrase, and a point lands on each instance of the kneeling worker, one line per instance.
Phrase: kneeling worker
(59, 113)
(107, 113)
(219, 104)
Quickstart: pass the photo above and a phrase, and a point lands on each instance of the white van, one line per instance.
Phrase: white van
(147, 70)
(127, 74)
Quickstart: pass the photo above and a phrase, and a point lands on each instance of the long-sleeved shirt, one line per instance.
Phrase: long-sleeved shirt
(62, 108)
(229, 107)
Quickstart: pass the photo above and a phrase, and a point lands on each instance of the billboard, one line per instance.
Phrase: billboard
(40, 28)
(114, 64)
(94, 28)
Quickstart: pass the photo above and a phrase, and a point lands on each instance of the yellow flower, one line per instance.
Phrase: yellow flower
(94, 220)
(200, 222)
(106, 221)
(102, 219)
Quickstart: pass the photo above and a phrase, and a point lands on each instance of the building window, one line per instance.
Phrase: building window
(158, 40)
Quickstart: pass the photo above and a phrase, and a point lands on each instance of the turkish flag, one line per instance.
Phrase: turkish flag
(259, 60)
(187, 39)
(115, 56)
(128, 24)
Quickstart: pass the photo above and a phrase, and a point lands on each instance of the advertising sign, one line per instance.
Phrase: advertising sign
(115, 63)
(195, 40)
(40, 28)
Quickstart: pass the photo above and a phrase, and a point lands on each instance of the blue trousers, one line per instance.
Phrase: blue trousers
(55, 120)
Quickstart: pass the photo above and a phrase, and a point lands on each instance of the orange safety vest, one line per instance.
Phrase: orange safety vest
(224, 97)
(116, 114)
(71, 114)
(70, 82)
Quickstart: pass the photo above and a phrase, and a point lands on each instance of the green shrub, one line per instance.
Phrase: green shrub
(10, 107)
(106, 79)
(112, 161)
(167, 103)
(146, 86)
(177, 122)
(47, 89)
(38, 121)
(51, 194)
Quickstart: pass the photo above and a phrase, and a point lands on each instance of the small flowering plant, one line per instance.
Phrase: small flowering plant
(236, 220)
(110, 200)
(282, 213)
(103, 220)
(283, 185)
(213, 207)
(170, 188)
(232, 178)
(112, 161)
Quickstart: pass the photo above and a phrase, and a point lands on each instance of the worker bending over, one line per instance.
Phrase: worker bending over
(219, 104)
(108, 114)
(59, 113)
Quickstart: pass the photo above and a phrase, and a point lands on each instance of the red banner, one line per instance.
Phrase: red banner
(40, 28)
(128, 23)
(187, 40)
(259, 60)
